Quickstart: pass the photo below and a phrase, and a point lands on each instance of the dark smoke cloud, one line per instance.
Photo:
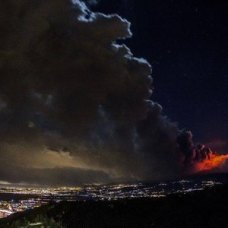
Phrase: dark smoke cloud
(192, 154)
(70, 93)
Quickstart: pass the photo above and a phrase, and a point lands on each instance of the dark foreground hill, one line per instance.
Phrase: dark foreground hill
(205, 209)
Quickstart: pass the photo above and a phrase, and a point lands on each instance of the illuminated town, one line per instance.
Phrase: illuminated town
(17, 199)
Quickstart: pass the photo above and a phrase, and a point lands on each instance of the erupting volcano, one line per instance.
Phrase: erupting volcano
(198, 158)
(212, 162)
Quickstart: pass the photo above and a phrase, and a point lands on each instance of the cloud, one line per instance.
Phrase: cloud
(72, 98)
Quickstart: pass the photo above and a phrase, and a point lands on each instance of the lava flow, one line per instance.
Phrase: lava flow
(212, 162)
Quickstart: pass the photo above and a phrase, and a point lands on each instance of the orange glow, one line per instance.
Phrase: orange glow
(211, 163)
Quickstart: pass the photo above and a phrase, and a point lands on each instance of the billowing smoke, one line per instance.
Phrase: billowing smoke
(72, 98)
(198, 157)
(191, 152)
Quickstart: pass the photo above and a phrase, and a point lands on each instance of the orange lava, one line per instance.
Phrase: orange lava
(211, 163)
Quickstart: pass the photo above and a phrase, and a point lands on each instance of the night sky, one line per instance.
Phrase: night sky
(186, 43)
(112, 91)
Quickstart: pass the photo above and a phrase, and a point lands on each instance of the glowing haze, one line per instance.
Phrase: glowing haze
(74, 105)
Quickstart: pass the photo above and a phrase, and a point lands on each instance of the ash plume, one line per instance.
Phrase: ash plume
(72, 98)
(198, 157)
